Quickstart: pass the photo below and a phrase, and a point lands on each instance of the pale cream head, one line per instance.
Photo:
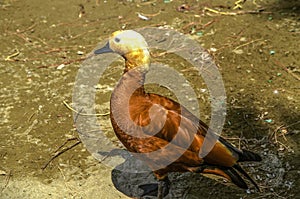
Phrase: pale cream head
(127, 41)
(132, 46)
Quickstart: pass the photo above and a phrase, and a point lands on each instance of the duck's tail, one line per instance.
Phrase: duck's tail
(232, 174)
(243, 155)
(246, 155)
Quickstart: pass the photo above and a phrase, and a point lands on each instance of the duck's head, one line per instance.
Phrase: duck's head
(131, 45)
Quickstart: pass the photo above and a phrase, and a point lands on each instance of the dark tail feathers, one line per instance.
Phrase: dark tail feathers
(235, 178)
(232, 173)
(248, 156)
(244, 155)
(244, 173)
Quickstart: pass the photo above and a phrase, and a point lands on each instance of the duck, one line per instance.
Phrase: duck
(162, 133)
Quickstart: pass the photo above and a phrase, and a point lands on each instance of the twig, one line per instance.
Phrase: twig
(65, 48)
(66, 184)
(7, 178)
(149, 15)
(190, 24)
(208, 23)
(287, 70)
(29, 129)
(245, 44)
(236, 13)
(240, 139)
(286, 147)
(238, 4)
(248, 123)
(146, 3)
(26, 29)
(219, 12)
(276, 141)
(8, 58)
(292, 124)
(62, 151)
(85, 133)
(52, 50)
(39, 39)
(68, 140)
(273, 134)
(21, 35)
(79, 35)
(84, 114)
(31, 116)
(65, 63)
(197, 23)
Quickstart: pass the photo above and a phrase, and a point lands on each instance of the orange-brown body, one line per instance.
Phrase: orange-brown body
(160, 119)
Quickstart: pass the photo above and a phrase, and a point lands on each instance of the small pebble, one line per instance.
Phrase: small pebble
(143, 17)
(2, 172)
(213, 49)
(281, 148)
(238, 51)
(272, 52)
(60, 67)
(243, 39)
(200, 33)
(268, 120)
(80, 53)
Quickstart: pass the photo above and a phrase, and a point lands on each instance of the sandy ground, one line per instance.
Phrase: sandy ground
(44, 43)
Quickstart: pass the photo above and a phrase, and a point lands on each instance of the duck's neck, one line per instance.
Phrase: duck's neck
(131, 83)
(137, 60)
(136, 66)
(127, 93)
(130, 86)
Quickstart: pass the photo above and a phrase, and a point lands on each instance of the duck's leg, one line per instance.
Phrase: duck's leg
(160, 189)
(163, 187)
(149, 189)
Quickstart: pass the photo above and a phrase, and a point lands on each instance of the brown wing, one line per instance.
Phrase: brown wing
(155, 151)
(167, 120)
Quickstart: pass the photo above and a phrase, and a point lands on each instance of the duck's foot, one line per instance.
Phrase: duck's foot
(149, 189)
(163, 188)
(160, 189)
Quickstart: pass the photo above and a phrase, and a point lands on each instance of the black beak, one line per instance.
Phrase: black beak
(104, 49)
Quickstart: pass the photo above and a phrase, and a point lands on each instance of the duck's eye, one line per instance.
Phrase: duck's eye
(117, 39)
